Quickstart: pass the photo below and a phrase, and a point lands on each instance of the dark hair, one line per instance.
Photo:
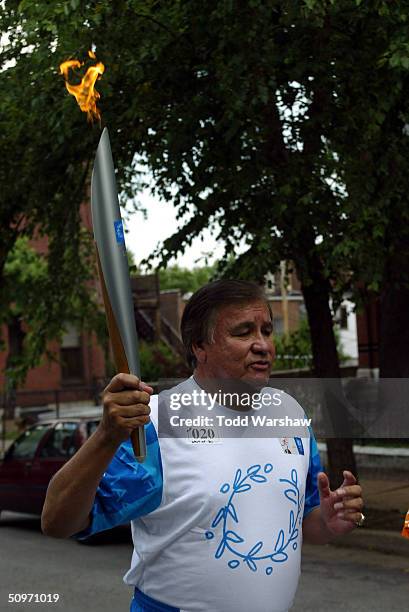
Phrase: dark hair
(199, 316)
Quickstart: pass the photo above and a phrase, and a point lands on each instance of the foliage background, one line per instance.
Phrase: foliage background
(280, 124)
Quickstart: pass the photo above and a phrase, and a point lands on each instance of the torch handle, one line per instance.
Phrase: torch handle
(138, 438)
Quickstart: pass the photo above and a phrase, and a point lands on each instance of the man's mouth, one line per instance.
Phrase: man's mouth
(260, 366)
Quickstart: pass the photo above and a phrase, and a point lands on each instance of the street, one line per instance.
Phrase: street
(335, 579)
(89, 578)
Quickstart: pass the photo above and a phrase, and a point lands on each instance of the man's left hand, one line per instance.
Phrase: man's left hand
(340, 509)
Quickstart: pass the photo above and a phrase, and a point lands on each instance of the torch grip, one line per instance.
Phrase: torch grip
(138, 438)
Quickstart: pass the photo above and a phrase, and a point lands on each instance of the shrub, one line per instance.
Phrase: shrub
(294, 350)
(159, 361)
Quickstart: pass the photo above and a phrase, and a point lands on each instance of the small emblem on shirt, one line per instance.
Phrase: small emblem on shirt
(292, 446)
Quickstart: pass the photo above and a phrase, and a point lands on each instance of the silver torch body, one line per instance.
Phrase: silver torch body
(114, 271)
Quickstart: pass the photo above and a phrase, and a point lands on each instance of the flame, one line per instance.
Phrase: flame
(85, 92)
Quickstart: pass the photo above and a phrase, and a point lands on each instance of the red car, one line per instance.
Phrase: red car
(35, 456)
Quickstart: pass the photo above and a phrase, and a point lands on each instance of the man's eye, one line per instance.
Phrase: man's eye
(267, 332)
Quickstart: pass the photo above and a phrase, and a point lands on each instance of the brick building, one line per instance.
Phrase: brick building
(79, 364)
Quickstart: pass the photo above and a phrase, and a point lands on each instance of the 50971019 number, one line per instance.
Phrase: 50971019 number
(33, 598)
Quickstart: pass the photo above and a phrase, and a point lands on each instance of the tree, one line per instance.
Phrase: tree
(206, 105)
(243, 113)
(372, 145)
(45, 164)
(188, 281)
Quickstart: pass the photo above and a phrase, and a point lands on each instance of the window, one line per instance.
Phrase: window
(91, 427)
(343, 317)
(61, 443)
(269, 283)
(72, 367)
(26, 445)
(303, 312)
(278, 326)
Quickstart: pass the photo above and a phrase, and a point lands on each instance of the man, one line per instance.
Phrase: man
(217, 523)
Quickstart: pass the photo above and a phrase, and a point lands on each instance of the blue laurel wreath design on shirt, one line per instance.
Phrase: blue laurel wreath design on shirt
(230, 538)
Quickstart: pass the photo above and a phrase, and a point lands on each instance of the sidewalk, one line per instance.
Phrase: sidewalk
(386, 503)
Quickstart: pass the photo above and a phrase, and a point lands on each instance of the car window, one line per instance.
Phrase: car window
(61, 442)
(26, 445)
(91, 427)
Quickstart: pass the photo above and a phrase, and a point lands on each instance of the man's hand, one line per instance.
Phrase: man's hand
(126, 407)
(340, 509)
(71, 492)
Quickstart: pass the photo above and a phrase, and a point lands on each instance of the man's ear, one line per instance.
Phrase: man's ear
(200, 353)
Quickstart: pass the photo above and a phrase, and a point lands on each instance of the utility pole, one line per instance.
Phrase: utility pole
(284, 297)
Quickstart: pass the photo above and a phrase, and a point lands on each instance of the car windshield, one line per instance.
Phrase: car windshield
(25, 446)
(61, 442)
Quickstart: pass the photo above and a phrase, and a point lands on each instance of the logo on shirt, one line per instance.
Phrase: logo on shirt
(292, 446)
(253, 554)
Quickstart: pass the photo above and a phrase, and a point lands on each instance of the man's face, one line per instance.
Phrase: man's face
(242, 347)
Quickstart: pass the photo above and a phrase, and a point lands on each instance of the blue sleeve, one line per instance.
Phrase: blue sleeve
(128, 489)
(312, 497)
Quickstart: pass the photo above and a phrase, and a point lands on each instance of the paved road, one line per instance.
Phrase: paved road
(349, 580)
(88, 578)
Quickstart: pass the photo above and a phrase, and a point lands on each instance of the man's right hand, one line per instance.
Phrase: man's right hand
(71, 492)
(126, 407)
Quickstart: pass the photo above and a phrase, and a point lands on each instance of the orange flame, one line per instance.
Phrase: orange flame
(85, 92)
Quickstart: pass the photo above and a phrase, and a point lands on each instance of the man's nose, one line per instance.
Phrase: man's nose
(261, 344)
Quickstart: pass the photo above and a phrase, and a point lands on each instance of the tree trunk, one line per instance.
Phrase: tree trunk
(394, 332)
(326, 366)
(15, 346)
(393, 418)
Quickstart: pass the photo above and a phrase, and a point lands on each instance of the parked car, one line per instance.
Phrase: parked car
(35, 456)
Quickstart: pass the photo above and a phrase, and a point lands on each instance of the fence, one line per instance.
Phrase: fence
(33, 400)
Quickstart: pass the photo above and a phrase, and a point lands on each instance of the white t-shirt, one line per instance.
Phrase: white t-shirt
(222, 531)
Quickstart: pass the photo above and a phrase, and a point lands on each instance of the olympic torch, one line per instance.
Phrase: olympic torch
(109, 238)
(114, 271)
